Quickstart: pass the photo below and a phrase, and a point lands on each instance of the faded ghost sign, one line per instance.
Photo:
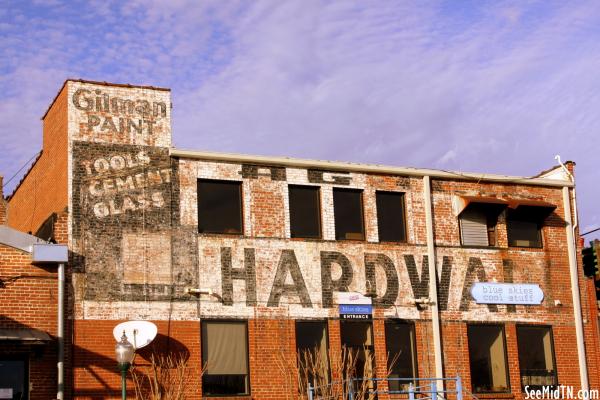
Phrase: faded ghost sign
(312, 275)
(130, 183)
(112, 178)
(113, 114)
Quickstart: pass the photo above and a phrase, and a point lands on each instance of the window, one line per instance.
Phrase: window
(487, 355)
(225, 357)
(536, 356)
(390, 216)
(312, 350)
(219, 207)
(347, 209)
(357, 340)
(305, 215)
(14, 379)
(478, 224)
(402, 360)
(524, 226)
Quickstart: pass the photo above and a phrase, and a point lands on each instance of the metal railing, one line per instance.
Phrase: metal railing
(414, 388)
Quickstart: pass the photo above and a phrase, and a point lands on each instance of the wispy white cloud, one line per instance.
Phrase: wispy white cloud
(495, 87)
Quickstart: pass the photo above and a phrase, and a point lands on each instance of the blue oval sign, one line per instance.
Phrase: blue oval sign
(507, 293)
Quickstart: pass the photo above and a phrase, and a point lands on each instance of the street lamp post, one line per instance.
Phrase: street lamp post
(125, 352)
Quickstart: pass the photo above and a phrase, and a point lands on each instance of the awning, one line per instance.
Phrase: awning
(536, 208)
(461, 202)
(25, 336)
(514, 203)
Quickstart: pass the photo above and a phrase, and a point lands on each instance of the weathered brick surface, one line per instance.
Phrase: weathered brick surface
(132, 229)
(2, 203)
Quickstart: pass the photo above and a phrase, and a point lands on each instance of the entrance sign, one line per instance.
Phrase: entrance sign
(507, 293)
(356, 311)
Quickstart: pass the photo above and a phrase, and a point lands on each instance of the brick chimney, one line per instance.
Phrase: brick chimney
(2, 203)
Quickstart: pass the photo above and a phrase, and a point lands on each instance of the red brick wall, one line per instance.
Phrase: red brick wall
(44, 188)
(28, 299)
(271, 346)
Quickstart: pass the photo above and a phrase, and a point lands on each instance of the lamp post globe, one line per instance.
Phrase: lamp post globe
(125, 352)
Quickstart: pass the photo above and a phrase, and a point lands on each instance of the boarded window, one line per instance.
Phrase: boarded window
(225, 357)
(524, 226)
(402, 360)
(219, 207)
(305, 215)
(357, 342)
(348, 212)
(536, 356)
(478, 224)
(487, 356)
(390, 216)
(312, 351)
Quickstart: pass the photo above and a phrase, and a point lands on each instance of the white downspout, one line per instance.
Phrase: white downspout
(575, 290)
(60, 395)
(433, 293)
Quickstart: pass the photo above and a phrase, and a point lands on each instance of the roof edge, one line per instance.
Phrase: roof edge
(37, 158)
(372, 168)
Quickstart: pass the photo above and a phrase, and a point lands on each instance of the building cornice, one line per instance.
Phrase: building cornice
(367, 168)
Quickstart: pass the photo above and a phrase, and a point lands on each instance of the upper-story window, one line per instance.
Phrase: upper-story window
(348, 213)
(219, 207)
(305, 213)
(478, 224)
(390, 216)
(524, 225)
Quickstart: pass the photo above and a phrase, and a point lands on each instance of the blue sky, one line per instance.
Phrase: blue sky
(498, 87)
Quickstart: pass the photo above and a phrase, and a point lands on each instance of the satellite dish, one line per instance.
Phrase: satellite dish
(139, 333)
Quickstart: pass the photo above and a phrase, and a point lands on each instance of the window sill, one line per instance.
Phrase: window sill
(498, 395)
(216, 234)
(524, 248)
(310, 239)
(467, 246)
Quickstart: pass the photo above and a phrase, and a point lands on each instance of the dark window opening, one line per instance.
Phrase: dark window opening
(46, 230)
(390, 216)
(305, 214)
(219, 207)
(478, 224)
(524, 226)
(14, 379)
(402, 353)
(348, 214)
(536, 356)
(357, 341)
(487, 357)
(225, 358)
(312, 351)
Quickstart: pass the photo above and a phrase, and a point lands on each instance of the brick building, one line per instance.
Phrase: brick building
(29, 293)
(280, 253)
